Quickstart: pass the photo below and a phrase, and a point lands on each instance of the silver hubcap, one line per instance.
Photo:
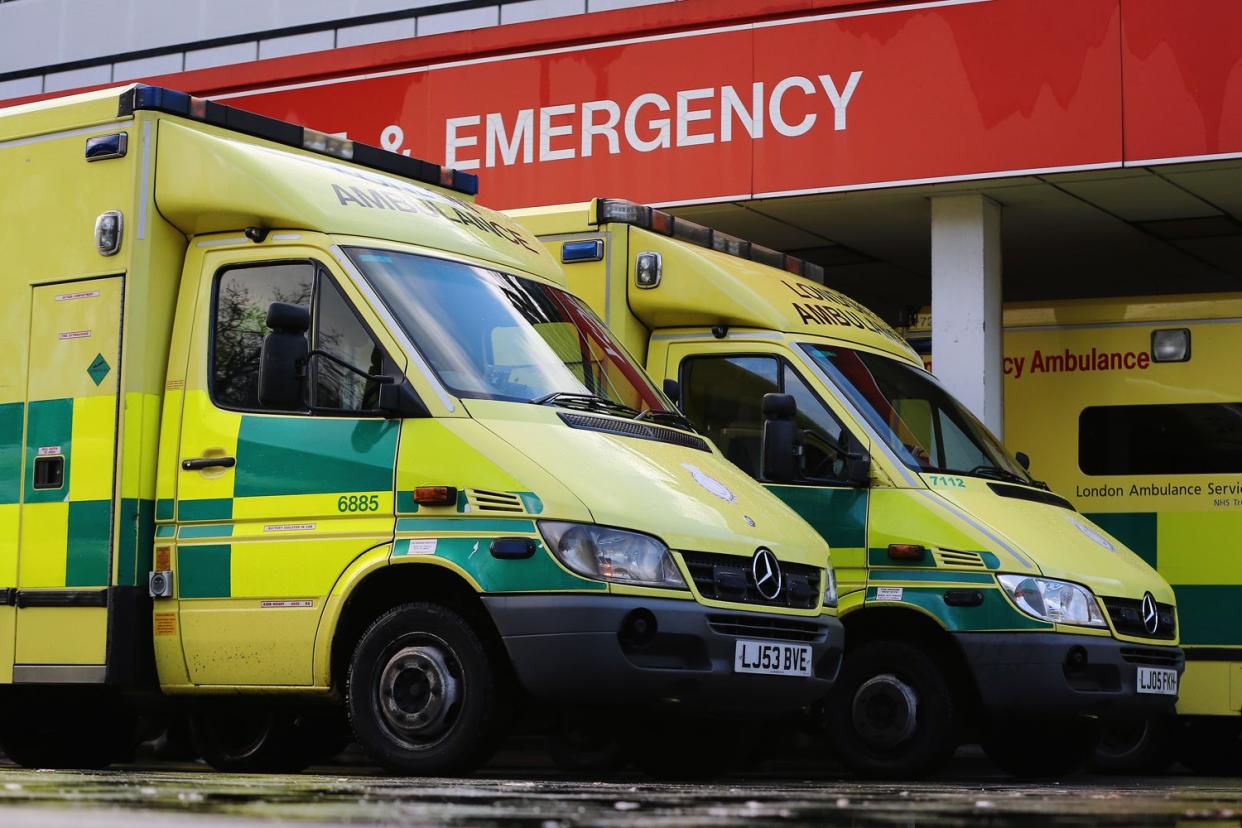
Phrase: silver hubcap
(419, 695)
(885, 711)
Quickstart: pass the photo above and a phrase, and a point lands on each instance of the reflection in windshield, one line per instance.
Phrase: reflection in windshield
(491, 335)
(923, 423)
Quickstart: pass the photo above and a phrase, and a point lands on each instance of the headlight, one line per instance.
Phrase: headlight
(830, 587)
(1055, 601)
(612, 554)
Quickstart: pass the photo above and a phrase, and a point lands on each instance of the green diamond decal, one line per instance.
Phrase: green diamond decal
(99, 369)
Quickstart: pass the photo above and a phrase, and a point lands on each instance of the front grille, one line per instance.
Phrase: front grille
(728, 578)
(485, 501)
(1151, 657)
(1127, 617)
(780, 629)
(631, 428)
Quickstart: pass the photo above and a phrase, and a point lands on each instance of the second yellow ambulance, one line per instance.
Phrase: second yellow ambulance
(977, 603)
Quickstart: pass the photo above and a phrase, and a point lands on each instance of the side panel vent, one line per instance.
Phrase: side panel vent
(481, 500)
(959, 560)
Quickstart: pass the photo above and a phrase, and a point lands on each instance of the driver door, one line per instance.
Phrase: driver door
(271, 504)
(722, 392)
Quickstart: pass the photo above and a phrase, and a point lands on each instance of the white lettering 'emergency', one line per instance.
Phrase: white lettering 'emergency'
(650, 122)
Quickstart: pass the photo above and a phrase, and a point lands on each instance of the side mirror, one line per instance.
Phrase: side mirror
(1023, 460)
(857, 461)
(672, 390)
(398, 401)
(778, 454)
(282, 361)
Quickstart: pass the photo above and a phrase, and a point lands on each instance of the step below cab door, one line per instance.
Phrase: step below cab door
(722, 387)
(273, 503)
(68, 482)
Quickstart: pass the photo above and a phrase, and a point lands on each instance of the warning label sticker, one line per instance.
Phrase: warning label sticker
(888, 594)
(285, 604)
(82, 294)
(63, 335)
(421, 546)
(165, 623)
(49, 451)
(288, 527)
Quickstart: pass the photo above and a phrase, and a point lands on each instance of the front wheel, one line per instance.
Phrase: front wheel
(1041, 748)
(892, 713)
(1136, 746)
(425, 696)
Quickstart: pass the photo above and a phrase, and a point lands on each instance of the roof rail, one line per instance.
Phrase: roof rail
(658, 221)
(159, 99)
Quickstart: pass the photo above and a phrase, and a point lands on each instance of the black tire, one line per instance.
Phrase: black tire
(66, 730)
(1211, 745)
(582, 741)
(1136, 746)
(679, 748)
(426, 697)
(892, 713)
(1041, 748)
(250, 738)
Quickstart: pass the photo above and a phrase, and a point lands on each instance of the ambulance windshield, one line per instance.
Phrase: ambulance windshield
(492, 335)
(929, 429)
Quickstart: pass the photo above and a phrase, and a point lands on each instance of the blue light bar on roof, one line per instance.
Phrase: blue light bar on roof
(657, 221)
(158, 99)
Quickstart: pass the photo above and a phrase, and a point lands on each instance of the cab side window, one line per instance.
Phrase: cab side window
(339, 332)
(723, 397)
(242, 298)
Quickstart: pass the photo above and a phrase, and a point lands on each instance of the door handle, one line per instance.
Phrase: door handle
(200, 463)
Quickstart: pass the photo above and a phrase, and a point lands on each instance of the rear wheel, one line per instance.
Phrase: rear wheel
(250, 738)
(1146, 745)
(583, 741)
(1211, 745)
(1041, 748)
(53, 728)
(892, 712)
(425, 695)
(679, 748)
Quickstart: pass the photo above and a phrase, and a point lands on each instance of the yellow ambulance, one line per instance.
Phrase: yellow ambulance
(1132, 408)
(290, 427)
(978, 605)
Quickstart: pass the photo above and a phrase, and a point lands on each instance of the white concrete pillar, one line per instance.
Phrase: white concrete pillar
(966, 302)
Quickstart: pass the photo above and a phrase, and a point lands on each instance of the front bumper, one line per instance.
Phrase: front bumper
(571, 649)
(1038, 674)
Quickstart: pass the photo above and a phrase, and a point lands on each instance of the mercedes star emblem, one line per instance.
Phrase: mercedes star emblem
(1151, 618)
(766, 570)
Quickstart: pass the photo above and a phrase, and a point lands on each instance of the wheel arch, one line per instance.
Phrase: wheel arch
(381, 586)
(915, 626)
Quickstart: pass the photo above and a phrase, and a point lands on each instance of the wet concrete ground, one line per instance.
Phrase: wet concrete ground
(189, 796)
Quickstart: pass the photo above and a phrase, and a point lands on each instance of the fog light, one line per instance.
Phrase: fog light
(648, 270)
(1076, 659)
(638, 629)
(1170, 345)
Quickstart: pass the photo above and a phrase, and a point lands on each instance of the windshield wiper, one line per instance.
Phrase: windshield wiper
(666, 417)
(997, 473)
(586, 402)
